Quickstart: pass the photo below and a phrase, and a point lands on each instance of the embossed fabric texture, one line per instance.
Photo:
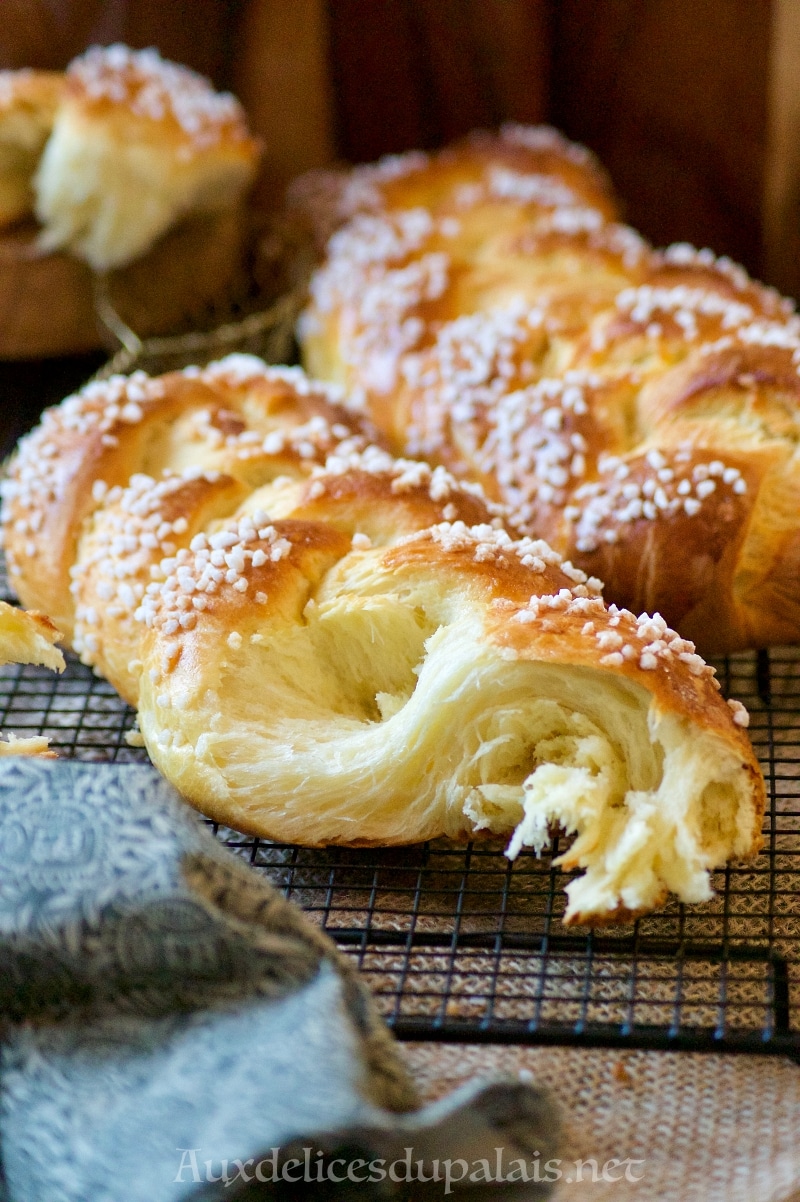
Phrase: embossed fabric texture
(165, 1008)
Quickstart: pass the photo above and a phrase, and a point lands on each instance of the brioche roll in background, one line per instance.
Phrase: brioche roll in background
(137, 144)
(130, 166)
(326, 644)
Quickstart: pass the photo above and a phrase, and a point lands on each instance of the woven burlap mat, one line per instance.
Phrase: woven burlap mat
(706, 1127)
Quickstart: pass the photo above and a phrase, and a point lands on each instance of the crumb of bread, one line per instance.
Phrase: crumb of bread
(38, 745)
(28, 638)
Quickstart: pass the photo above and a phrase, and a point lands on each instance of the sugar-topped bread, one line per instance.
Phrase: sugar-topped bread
(639, 409)
(137, 144)
(326, 644)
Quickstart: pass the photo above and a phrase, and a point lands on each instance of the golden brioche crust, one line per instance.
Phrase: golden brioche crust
(141, 87)
(97, 440)
(539, 160)
(327, 644)
(636, 408)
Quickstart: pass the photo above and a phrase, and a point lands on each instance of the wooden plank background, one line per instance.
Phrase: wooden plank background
(781, 190)
(693, 106)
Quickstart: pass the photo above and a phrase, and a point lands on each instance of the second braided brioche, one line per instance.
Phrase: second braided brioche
(638, 409)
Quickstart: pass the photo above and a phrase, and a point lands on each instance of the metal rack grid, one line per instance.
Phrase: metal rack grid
(459, 944)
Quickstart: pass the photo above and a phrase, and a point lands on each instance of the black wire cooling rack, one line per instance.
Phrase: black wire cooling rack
(459, 944)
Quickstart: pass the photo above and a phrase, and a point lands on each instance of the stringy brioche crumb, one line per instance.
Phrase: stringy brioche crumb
(28, 638)
(37, 745)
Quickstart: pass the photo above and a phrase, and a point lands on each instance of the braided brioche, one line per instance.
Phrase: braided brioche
(637, 409)
(330, 645)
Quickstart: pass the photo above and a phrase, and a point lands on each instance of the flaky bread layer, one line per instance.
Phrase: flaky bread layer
(366, 696)
(28, 638)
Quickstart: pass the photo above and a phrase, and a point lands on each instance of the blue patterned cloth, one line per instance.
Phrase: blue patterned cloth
(169, 1017)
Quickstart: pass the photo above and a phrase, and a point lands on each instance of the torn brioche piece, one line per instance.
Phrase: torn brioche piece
(138, 144)
(27, 638)
(324, 680)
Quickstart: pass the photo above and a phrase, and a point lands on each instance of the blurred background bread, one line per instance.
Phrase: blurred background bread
(636, 408)
(137, 144)
(689, 106)
(128, 164)
(692, 108)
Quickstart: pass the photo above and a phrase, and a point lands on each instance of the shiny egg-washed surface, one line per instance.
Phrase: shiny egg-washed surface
(636, 408)
(328, 644)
